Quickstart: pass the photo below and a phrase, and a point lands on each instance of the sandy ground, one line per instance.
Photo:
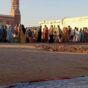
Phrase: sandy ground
(31, 64)
(65, 47)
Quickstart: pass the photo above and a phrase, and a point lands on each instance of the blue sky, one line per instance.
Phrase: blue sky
(33, 11)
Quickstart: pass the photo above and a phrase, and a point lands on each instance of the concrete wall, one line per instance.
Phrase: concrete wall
(79, 22)
(49, 23)
(4, 19)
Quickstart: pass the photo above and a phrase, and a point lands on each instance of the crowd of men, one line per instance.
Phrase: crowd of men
(11, 34)
(57, 35)
(20, 34)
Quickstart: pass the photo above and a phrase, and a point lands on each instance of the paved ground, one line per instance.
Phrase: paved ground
(30, 64)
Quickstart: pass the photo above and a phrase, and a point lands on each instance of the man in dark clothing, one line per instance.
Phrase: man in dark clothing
(1, 32)
(4, 34)
(39, 39)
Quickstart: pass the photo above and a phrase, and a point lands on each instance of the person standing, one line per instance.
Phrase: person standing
(39, 39)
(45, 34)
(85, 30)
(77, 37)
(81, 35)
(22, 33)
(29, 35)
(65, 34)
(16, 33)
(4, 33)
(59, 34)
(36, 35)
(9, 36)
(51, 35)
(1, 32)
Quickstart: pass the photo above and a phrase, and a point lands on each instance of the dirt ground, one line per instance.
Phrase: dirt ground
(32, 64)
(67, 47)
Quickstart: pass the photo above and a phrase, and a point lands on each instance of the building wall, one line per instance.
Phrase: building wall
(49, 23)
(6, 19)
(79, 22)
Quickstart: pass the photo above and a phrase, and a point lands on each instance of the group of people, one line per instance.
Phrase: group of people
(58, 35)
(11, 34)
(20, 34)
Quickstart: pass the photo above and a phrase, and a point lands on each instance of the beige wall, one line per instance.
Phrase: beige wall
(79, 22)
(55, 23)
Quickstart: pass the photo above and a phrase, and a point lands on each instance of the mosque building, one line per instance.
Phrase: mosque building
(14, 17)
